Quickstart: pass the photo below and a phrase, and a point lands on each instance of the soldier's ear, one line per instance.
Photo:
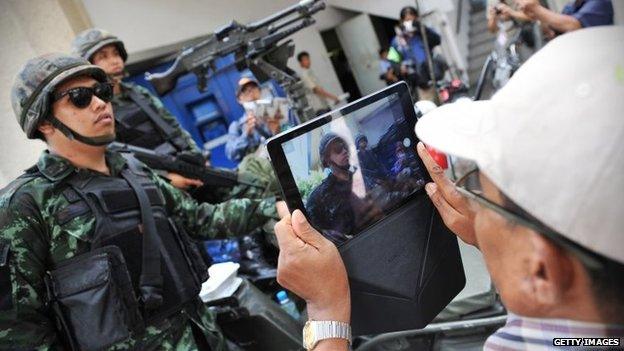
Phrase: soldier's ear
(45, 128)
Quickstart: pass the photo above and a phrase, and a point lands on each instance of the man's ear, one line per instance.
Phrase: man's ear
(46, 128)
(550, 272)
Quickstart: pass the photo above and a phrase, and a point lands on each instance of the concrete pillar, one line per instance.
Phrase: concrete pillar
(28, 28)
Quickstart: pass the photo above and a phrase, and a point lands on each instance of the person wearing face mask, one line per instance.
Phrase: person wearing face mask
(95, 250)
(410, 45)
(333, 206)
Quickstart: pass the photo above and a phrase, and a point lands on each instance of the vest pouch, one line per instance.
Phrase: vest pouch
(194, 259)
(93, 301)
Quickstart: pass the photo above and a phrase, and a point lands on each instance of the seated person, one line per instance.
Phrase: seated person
(249, 132)
(333, 206)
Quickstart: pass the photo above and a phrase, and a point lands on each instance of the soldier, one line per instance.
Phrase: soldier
(373, 171)
(333, 207)
(85, 231)
(142, 120)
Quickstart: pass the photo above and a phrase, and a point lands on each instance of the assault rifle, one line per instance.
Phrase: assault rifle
(187, 167)
(255, 46)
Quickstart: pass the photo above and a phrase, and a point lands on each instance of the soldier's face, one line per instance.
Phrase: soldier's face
(96, 119)
(362, 144)
(109, 59)
(339, 153)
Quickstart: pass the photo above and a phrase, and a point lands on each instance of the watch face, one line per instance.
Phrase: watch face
(308, 336)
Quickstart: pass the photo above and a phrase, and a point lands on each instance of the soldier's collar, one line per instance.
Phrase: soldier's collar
(56, 168)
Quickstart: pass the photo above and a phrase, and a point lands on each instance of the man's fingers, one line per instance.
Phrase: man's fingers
(284, 233)
(282, 209)
(445, 186)
(449, 215)
(304, 230)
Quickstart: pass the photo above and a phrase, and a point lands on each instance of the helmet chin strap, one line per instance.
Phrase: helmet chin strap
(72, 135)
(345, 168)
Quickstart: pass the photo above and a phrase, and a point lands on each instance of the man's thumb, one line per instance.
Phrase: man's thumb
(304, 230)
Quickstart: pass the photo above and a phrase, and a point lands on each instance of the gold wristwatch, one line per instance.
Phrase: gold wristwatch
(315, 331)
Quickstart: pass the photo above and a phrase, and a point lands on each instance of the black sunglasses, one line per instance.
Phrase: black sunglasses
(81, 96)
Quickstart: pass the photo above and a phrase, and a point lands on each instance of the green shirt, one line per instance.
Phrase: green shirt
(37, 242)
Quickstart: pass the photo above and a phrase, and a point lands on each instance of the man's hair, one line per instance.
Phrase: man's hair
(382, 50)
(406, 10)
(607, 284)
(302, 54)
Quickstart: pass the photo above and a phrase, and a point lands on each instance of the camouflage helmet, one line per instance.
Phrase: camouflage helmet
(89, 41)
(324, 143)
(359, 138)
(36, 81)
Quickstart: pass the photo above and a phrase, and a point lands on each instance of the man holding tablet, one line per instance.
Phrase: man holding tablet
(550, 228)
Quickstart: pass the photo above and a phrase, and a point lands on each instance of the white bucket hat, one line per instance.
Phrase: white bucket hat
(552, 139)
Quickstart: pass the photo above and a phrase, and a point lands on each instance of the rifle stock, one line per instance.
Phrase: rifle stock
(208, 175)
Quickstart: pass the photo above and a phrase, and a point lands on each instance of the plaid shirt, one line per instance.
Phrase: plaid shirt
(523, 333)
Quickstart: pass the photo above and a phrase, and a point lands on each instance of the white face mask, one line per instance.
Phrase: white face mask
(409, 26)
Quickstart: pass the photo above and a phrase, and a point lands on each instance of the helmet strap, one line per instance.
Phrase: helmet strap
(73, 135)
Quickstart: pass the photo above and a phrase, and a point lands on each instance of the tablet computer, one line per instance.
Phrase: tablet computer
(355, 174)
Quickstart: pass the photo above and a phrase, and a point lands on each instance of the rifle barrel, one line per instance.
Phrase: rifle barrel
(301, 6)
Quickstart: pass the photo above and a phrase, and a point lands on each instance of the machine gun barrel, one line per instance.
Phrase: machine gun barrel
(299, 7)
(245, 40)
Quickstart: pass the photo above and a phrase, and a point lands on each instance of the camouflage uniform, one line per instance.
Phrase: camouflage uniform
(34, 239)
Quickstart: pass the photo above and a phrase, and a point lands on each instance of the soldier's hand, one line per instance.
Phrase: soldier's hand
(310, 266)
(454, 208)
(182, 182)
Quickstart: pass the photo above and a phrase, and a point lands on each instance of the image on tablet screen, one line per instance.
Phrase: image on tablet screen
(355, 169)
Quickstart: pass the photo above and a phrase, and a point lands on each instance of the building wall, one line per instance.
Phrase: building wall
(28, 28)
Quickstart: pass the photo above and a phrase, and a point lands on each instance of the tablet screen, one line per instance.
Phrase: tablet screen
(355, 169)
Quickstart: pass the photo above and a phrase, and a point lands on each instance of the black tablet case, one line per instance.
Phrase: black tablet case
(403, 270)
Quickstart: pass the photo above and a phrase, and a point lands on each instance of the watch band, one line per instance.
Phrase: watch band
(321, 330)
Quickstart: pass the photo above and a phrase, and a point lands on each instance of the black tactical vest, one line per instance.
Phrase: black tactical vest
(116, 210)
(139, 124)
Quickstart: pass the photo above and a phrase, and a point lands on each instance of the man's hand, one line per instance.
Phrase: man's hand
(528, 7)
(182, 182)
(250, 124)
(505, 11)
(274, 124)
(454, 208)
(311, 267)
(282, 209)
